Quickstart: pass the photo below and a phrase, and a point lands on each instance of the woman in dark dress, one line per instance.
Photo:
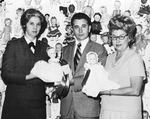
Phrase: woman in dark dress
(25, 94)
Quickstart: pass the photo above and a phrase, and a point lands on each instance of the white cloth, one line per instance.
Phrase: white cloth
(98, 81)
(48, 72)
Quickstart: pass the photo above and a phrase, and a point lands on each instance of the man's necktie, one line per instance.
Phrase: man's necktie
(77, 56)
(31, 45)
(86, 77)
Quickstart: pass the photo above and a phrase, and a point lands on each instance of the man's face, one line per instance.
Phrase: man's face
(81, 29)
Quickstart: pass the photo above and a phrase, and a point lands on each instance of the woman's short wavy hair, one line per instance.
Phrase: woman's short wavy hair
(120, 22)
(33, 13)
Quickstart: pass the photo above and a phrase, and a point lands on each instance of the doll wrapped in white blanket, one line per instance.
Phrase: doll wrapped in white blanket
(98, 79)
(50, 71)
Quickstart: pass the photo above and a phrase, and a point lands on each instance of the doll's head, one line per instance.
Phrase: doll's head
(92, 58)
(71, 8)
(20, 11)
(97, 17)
(69, 29)
(54, 21)
(117, 4)
(91, 2)
(127, 13)
(105, 37)
(103, 9)
(139, 29)
(37, 2)
(28, 2)
(58, 47)
(145, 114)
(88, 10)
(51, 52)
(93, 37)
(47, 16)
(7, 22)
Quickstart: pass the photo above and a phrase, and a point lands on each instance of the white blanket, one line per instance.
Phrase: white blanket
(48, 72)
(98, 81)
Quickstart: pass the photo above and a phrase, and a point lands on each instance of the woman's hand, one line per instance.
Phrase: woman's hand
(30, 76)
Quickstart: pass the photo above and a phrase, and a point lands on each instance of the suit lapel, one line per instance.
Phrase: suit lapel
(82, 61)
(71, 55)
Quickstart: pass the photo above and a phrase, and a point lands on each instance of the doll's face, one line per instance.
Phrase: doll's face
(8, 22)
(117, 4)
(37, 2)
(93, 37)
(27, 2)
(97, 17)
(47, 17)
(53, 22)
(126, 13)
(91, 2)
(103, 10)
(145, 115)
(19, 13)
(51, 53)
(69, 30)
(105, 39)
(92, 59)
(58, 47)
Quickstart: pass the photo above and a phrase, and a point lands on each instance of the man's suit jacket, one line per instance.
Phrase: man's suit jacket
(18, 60)
(85, 106)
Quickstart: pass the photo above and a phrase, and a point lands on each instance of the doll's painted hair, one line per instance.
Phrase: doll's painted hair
(97, 13)
(53, 17)
(20, 9)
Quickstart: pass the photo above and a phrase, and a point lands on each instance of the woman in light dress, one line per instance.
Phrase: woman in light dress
(126, 68)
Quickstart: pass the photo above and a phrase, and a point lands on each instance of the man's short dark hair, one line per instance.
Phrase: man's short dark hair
(81, 15)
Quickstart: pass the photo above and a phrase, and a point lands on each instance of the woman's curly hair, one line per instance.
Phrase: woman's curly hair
(120, 22)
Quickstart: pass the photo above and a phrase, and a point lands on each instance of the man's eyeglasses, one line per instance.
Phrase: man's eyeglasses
(121, 37)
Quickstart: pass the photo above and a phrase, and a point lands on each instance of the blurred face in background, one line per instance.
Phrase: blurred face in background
(53, 21)
(27, 2)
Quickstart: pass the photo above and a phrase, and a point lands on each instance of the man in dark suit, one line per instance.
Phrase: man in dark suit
(77, 105)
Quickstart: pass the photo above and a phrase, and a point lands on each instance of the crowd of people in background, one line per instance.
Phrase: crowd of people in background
(120, 40)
